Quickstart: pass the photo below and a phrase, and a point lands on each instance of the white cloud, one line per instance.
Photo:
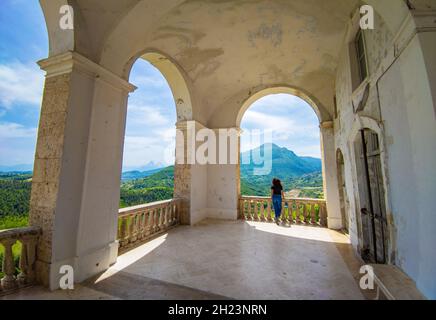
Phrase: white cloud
(150, 80)
(20, 83)
(146, 115)
(11, 130)
(289, 120)
(139, 150)
(17, 144)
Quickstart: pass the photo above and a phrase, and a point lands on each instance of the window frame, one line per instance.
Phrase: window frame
(361, 56)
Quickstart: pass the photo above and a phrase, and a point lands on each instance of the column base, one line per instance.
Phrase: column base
(334, 223)
(85, 266)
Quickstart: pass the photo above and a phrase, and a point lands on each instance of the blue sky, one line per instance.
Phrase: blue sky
(151, 112)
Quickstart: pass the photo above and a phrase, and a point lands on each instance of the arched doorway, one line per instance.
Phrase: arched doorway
(178, 84)
(284, 128)
(328, 151)
(371, 205)
(149, 144)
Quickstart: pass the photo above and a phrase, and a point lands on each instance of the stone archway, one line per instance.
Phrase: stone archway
(79, 150)
(320, 111)
(179, 84)
(328, 154)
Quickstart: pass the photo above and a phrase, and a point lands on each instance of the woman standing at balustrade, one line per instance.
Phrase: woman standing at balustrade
(277, 195)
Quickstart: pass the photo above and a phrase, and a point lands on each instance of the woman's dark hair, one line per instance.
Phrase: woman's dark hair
(277, 183)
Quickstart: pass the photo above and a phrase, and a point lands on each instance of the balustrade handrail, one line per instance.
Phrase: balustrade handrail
(16, 233)
(134, 209)
(285, 199)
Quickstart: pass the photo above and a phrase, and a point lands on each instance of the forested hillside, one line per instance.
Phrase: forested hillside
(297, 173)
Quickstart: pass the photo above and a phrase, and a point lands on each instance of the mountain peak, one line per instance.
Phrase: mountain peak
(285, 163)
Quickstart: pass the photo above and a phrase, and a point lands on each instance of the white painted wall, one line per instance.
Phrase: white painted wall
(222, 192)
(401, 108)
(410, 124)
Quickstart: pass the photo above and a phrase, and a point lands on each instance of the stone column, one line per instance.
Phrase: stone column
(182, 170)
(224, 176)
(190, 177)
(330, 176)
(75, 190)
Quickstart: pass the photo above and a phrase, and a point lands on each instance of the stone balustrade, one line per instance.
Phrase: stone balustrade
(140, 223)
(28, 237)
(294, 210)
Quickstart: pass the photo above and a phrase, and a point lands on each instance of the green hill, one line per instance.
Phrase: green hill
(295, 172)
(155, 187)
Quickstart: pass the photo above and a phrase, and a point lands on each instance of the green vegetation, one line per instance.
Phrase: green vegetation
(14, 206)
(302, 174)
(155, 187)
(297, 173)
(14, 194)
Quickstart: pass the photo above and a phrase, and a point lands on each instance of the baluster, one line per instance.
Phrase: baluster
(170, 214)
(156, 220)
(289, 214)
(291, 211)
(167, 216)
(133, 231)
(173, 213)
(268, 210)
(262, 211)
(22, 277)
(139, 225)
(246, 210)
(313, 214)
(27, 260)
(256, 210)
(323, 215)
(305, 219)
(151, 222)
(161, 218)
(177, 212)
(297, 211)
(8, 282)
(146, 225)
(241, 209)
(123, 232)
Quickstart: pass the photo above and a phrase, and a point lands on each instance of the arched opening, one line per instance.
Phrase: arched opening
(151, 179)
(371, 214)
(343, 197)
(281, 139)
(149, 145)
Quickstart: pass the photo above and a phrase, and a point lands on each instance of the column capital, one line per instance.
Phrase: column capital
(183, 124)
(67, 62)
(326, 125)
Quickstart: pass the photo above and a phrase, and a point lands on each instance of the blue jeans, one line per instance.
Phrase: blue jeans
(277, 203)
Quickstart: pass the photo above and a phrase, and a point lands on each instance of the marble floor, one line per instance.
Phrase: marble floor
(227, 260)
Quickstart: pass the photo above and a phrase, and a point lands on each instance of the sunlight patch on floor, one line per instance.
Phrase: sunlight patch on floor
(301, 232)
(132, 256)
